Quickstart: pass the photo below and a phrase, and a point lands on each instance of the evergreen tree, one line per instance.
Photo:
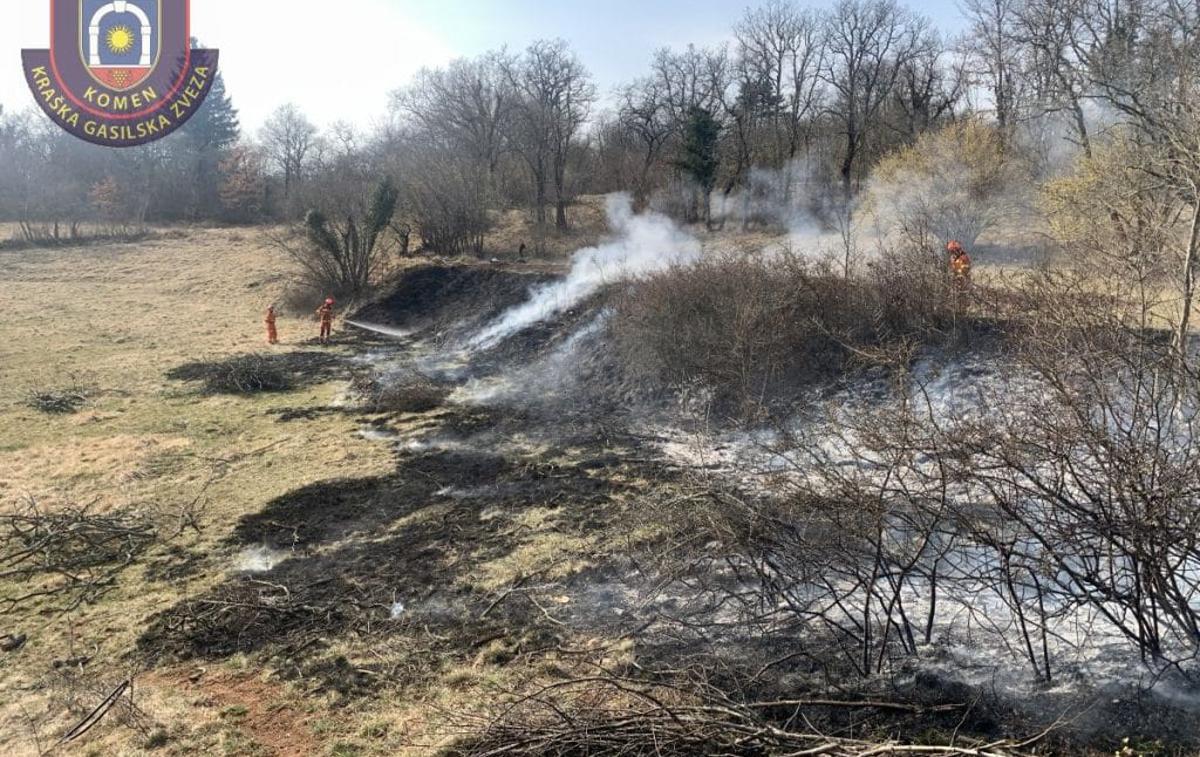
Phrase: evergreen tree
(192, 157)
(700, 156)
(215, 126)
(197, 151)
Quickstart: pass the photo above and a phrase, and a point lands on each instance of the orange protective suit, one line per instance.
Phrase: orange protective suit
(960, 267)
(272, 332)
(325, 314)
(960, 263)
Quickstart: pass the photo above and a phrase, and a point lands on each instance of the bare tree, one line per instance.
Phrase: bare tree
(928, 89)
(781, 48)
(288, 137)
(554, 97)
(644, 115)
(698, 77)
(995, 55)
(469, 104)
(1048, 31)
(870, 43)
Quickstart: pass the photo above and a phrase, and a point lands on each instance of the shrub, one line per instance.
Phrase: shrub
(343, 256)
(755, 329)
(448, 199)
(953, 183)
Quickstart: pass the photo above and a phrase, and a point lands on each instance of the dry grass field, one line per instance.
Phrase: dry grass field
(112, 320)
(115, 318)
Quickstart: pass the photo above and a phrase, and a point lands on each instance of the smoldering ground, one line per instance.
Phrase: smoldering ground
(530, 508)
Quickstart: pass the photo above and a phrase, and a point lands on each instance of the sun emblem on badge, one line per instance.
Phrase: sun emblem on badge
(119, 39)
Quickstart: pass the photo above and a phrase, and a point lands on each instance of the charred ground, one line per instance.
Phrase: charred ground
(517, 533)
(527, 553)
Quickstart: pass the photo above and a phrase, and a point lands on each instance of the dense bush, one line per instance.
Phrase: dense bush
(753, 328)
(343, 257)
(957, 182)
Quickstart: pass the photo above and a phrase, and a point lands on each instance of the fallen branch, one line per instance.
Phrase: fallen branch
(96, 715)
(77, 554)
(610, 715)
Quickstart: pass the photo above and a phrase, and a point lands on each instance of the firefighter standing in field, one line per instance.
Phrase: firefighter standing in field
(325, 314)
(960, 265)
(272, 332)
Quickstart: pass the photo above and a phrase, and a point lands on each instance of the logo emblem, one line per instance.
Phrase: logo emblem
(120, 41)
(120, 73)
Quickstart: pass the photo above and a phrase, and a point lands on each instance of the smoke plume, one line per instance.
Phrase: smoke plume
(640, 244)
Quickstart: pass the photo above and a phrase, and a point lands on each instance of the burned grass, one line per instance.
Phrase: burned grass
(255, 373)
(175, 563)
(409, 393)
(435, 297)
(322, 512)
(626, 712)
(441, 538)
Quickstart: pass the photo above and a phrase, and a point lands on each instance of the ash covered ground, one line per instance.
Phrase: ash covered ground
(524, 524)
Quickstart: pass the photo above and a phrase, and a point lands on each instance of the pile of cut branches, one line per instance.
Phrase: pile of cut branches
(246, 614)
(56, 401)
(242, 374)
(60, 397)
(610, 715)
(68, 556)
(403, 393)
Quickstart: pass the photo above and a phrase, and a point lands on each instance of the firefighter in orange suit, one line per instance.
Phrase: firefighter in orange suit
(325, 314)
(960, 264)
(272, 332)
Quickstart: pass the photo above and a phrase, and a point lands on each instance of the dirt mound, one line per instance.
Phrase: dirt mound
(438, 297)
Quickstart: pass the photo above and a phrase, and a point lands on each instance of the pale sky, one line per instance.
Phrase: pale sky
(338, 60)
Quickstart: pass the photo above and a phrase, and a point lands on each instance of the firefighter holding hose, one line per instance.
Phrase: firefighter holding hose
(325, 315)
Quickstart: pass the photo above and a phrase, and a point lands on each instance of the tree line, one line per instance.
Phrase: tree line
(810, 99)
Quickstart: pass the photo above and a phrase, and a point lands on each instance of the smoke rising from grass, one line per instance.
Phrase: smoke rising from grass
(640, 244)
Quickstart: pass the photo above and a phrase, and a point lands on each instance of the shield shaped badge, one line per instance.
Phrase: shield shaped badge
(120, 40)
(120, 72)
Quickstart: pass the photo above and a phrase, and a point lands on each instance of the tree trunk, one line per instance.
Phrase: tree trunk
(848, 168)
(1189, 283)
(1081, 126)
(560, 192)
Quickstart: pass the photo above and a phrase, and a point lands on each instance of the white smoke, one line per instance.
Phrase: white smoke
(544, 378)
(259, 559)
(773, 198)
(641, 244)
